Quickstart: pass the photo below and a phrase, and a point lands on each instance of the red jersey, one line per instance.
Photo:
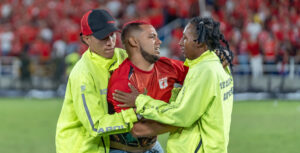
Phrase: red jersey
(156, 83)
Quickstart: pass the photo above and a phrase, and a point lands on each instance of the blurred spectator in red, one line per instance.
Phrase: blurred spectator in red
(72, 34)
(41, 49)
(256, 60)
(269, 49)
(152, 11)
(174, 9)
(176, 52)
(243, 57)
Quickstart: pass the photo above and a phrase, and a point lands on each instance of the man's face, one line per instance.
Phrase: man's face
(149, 43)
(187, 43)
(104, 47)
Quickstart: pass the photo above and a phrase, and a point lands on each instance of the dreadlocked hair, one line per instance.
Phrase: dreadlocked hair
(208, 32)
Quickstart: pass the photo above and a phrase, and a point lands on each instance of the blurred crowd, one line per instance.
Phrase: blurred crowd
(45, 33)
(261, 32)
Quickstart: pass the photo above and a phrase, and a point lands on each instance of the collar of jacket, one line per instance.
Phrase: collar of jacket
(207, 55)
(101, 61)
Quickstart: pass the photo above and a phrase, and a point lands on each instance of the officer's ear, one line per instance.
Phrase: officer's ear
(86, 39)
(201, 45)
(132, 42)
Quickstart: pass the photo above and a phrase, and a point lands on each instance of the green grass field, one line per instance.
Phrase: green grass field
(28, 126)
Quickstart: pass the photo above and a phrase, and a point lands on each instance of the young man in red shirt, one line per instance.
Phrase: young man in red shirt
(203, 107)
(150, 74)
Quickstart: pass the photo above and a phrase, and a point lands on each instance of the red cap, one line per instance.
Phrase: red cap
(98, 23)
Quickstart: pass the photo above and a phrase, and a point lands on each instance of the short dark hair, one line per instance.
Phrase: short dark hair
(129, 27)
(208, 32)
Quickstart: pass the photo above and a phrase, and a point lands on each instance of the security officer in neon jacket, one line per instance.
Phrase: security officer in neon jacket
(203, 106)
(84, 124)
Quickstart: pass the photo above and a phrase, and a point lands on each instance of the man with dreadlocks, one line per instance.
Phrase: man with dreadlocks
(203, 106)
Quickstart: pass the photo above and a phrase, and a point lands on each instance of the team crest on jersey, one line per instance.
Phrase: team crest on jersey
(163, 83)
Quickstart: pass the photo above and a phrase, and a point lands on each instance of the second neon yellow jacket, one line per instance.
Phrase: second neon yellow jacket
(203, 108)
(84, 124)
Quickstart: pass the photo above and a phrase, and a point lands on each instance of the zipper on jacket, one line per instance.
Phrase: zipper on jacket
(199, 145)
(103, 144)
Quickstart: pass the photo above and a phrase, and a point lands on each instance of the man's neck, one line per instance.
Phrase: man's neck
(139, 61)
(200, 51)
(98, 53)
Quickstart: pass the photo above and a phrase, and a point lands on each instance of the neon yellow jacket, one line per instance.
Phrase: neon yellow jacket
(203, 108)
(84, 124)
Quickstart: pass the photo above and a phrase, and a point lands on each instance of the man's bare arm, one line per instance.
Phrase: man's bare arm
(147, 128)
